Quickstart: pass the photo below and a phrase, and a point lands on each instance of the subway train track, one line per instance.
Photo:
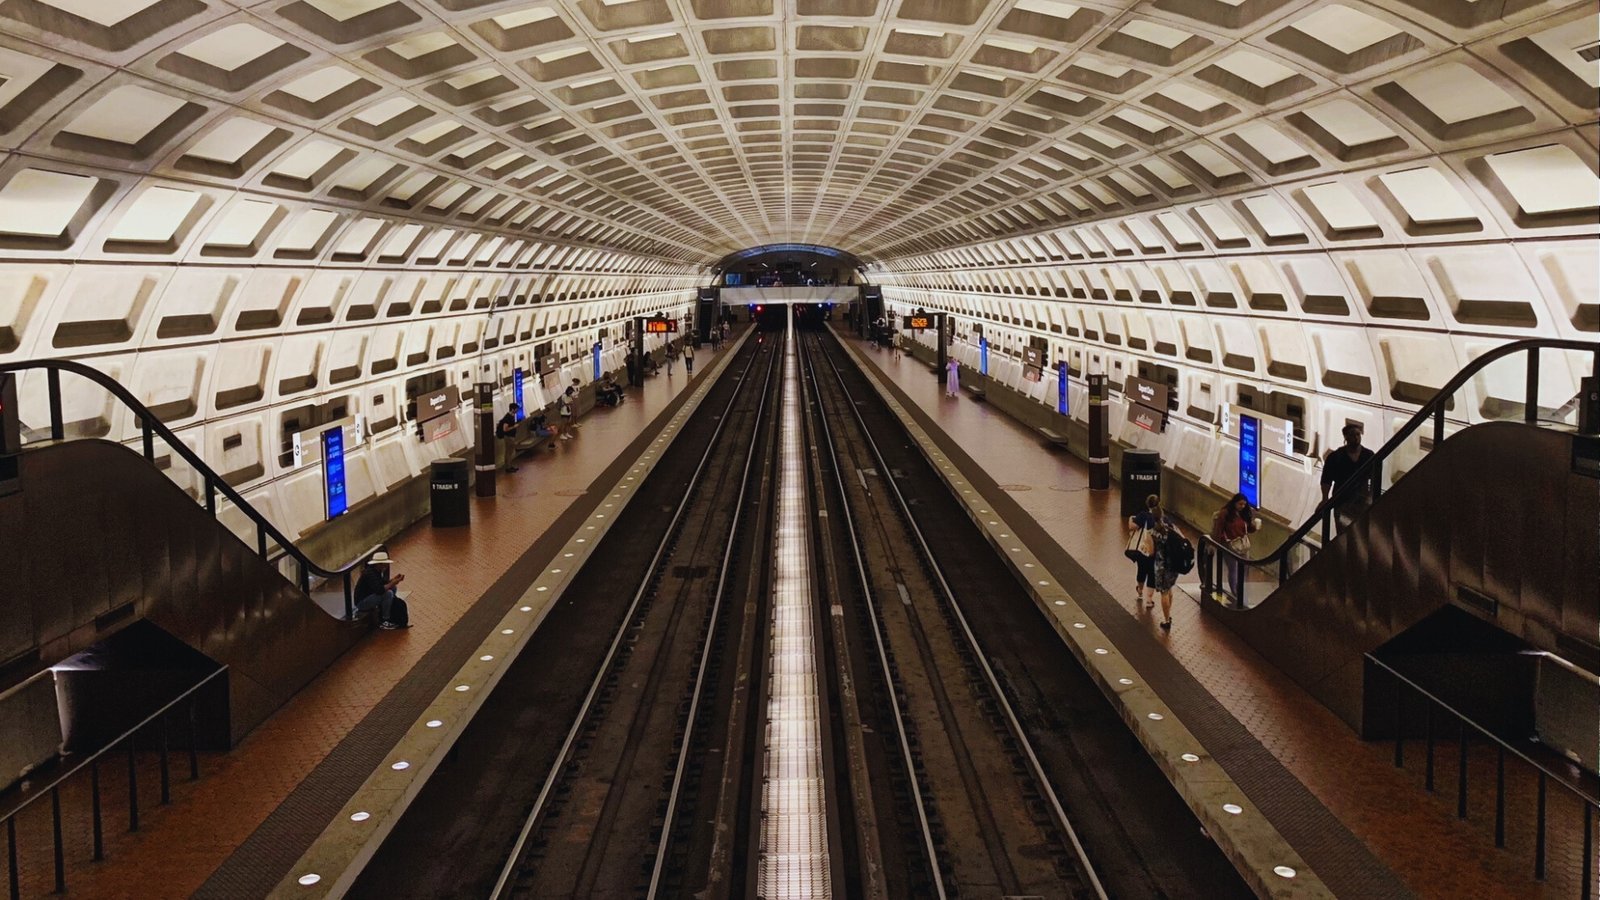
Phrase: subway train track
(458, 836)
(597, 824)
(967, 697)
(989, 821)
(963, 752)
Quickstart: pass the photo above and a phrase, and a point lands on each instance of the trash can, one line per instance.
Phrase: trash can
(1141, 477)
(448, 492)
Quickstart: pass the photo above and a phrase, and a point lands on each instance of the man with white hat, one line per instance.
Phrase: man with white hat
(376, 589)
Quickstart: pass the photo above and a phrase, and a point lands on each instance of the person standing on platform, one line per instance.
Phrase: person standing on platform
(688, 357)
(506, 431)
(952, 378)
(1338, 468)
(672, 355)
(566, 407)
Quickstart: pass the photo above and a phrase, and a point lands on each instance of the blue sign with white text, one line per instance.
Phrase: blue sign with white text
(1061, 388)
(597, 361)
(516, 393)
(1250, 459)
(333, 471)
(983, 355)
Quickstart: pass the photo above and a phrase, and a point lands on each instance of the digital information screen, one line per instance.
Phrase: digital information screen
(333, 471)
(516, 392)
(983, 355)
(1250, 459)
(1061, 387)
(660, 326)
(917, 323)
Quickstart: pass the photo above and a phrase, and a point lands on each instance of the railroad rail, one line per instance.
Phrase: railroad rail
(607, 778)
(971, 759)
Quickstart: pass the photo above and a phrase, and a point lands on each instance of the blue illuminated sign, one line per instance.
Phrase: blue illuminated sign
(983, 355)
(333, 471)
(1061, 388)
(516, 393)
(1250, 459)
(596, 360)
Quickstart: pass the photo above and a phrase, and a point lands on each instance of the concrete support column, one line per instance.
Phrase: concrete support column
(486, 439)
(1099, 435)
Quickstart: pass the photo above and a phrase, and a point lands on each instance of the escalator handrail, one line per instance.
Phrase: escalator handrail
(153, 426)
(1435, 407)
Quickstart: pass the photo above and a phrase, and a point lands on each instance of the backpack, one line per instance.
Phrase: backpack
(1179, 553)
(399, 616)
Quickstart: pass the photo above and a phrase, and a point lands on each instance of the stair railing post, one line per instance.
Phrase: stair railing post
(58, 425)
(1530, 412)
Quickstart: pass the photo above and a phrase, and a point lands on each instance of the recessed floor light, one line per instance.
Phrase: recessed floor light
(309, 879)
(1232, 809)
(1154, 717)
(360, 816)
(1189, 757)
(1101, 651)
(1124, 681)
(485, 658)
(1284, 871)
(434, 723)
(401, 766)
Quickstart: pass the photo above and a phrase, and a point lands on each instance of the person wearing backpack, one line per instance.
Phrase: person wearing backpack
(1174, 556)
(375, 590)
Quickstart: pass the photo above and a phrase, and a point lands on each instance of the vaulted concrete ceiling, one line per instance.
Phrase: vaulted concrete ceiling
(688, 129)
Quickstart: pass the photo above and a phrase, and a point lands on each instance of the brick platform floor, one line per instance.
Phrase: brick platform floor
(447, 571)
(1415, 834)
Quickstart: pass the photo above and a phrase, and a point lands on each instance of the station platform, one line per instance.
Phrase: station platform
(1364, 827)
(238, 830)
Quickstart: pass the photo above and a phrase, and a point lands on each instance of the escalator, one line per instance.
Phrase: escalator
(102, 550)
(1497, 525)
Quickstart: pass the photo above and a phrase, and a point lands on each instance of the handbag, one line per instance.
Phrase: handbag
(1137, 542)
(1240, 545)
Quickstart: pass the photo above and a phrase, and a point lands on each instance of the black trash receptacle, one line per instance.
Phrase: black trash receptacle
(448, 492)
(1141, 477)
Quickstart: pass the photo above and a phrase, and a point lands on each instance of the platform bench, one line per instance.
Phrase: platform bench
(1060, 440)
(977, 393)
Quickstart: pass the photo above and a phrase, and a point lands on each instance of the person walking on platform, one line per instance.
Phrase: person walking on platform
(688, 357)
(1142, 548)
(1174, 556)
(1339, 467)
(952, 378)
(672, 354)
(506, 431)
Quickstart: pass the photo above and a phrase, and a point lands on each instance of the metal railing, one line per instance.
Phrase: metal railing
(128, 741)
(1318, 530)
(1466, 731)
(212, 484)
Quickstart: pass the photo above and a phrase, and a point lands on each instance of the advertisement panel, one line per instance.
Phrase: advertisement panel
(333, 472)
(1250, 459)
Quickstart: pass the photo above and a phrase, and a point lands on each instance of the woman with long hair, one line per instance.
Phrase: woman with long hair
(1231, 527)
